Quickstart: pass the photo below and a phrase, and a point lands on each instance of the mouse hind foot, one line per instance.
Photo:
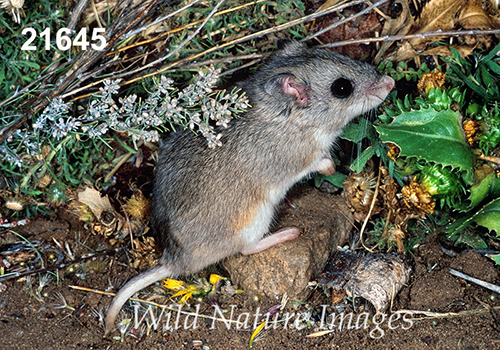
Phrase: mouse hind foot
(280, 236)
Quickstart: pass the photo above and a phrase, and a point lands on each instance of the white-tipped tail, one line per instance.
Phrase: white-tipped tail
(137, 283)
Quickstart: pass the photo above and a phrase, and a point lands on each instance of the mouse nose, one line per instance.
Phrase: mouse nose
(388, 82)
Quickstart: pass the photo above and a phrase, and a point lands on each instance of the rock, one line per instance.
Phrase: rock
(325, 223)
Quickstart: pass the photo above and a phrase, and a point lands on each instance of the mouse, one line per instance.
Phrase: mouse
(212, 203)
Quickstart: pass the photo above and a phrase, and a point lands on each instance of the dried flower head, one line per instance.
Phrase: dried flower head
(471, 129)
(138, 206)
(15, 203)
(15, 7)
(359, 191)
(430, 81)
(415, 196)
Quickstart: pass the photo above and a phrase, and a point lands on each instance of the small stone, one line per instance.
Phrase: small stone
(325, 223)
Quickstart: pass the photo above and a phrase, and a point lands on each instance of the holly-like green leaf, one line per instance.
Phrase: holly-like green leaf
(489, 186)
(488, 216)
(337, 179)
(471, 239)
(429, 135)
(496, 258)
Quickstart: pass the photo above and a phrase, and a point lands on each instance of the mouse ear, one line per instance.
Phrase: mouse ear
(287, 87)
(289, 47)
(282, 43)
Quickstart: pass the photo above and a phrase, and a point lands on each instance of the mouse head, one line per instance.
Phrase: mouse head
(323, 88)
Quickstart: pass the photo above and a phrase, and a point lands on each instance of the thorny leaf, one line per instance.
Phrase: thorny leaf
(488, 216)
(489, 186)
(425, 133)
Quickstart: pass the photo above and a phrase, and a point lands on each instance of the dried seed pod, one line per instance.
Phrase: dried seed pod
(15, 203)
(138, 206)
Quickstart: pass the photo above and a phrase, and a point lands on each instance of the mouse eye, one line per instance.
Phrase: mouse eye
(342, 88)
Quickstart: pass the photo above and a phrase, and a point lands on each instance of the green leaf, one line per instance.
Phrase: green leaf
(489, 216)
(471, 239)
(360, 162)
(30, 64)
(431, 136)
(336, 179)
(489, 186)
(496, 258)
(355, 132)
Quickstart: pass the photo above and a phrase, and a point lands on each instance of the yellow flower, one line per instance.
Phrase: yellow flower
(182, 288)
(215, 278)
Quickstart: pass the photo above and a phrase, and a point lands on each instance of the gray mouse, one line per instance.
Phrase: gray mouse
(209, 204)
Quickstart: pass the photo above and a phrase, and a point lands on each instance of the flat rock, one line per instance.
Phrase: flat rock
(325, 223)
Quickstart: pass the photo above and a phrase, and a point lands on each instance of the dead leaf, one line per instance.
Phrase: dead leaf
(327, 4)
(438, 14)
(473, 16)
(95, 202)
(397, 26)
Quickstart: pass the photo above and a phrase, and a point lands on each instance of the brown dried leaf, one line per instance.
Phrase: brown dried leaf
(95, 202)
(473, 16)
(464, 50)
(397, 26)
(327, 4)
(438, 14)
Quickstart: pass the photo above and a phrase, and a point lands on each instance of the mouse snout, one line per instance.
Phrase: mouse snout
(388, 82)
(380, 89)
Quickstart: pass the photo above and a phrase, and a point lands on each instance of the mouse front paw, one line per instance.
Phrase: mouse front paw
(326, 166)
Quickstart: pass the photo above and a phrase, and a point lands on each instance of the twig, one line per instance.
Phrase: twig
(122, 161)
(185, 27)
(259, 34)
(161, 19)
(372, 205)
(490, 286)
(180, 46)
(411, 36)
(431, 314)
(75, 16)
(188, 66)
(14, 275)
(491, 159)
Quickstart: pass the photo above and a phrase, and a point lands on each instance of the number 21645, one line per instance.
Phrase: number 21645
(63, 39)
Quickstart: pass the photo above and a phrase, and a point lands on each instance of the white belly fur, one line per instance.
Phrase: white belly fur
(264, 215)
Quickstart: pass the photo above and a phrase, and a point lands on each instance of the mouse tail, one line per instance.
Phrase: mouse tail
(137, 283)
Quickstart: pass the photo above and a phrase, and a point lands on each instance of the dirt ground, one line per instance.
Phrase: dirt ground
(28, 321)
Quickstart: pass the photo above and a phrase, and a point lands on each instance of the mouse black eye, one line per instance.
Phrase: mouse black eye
(342, 88)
